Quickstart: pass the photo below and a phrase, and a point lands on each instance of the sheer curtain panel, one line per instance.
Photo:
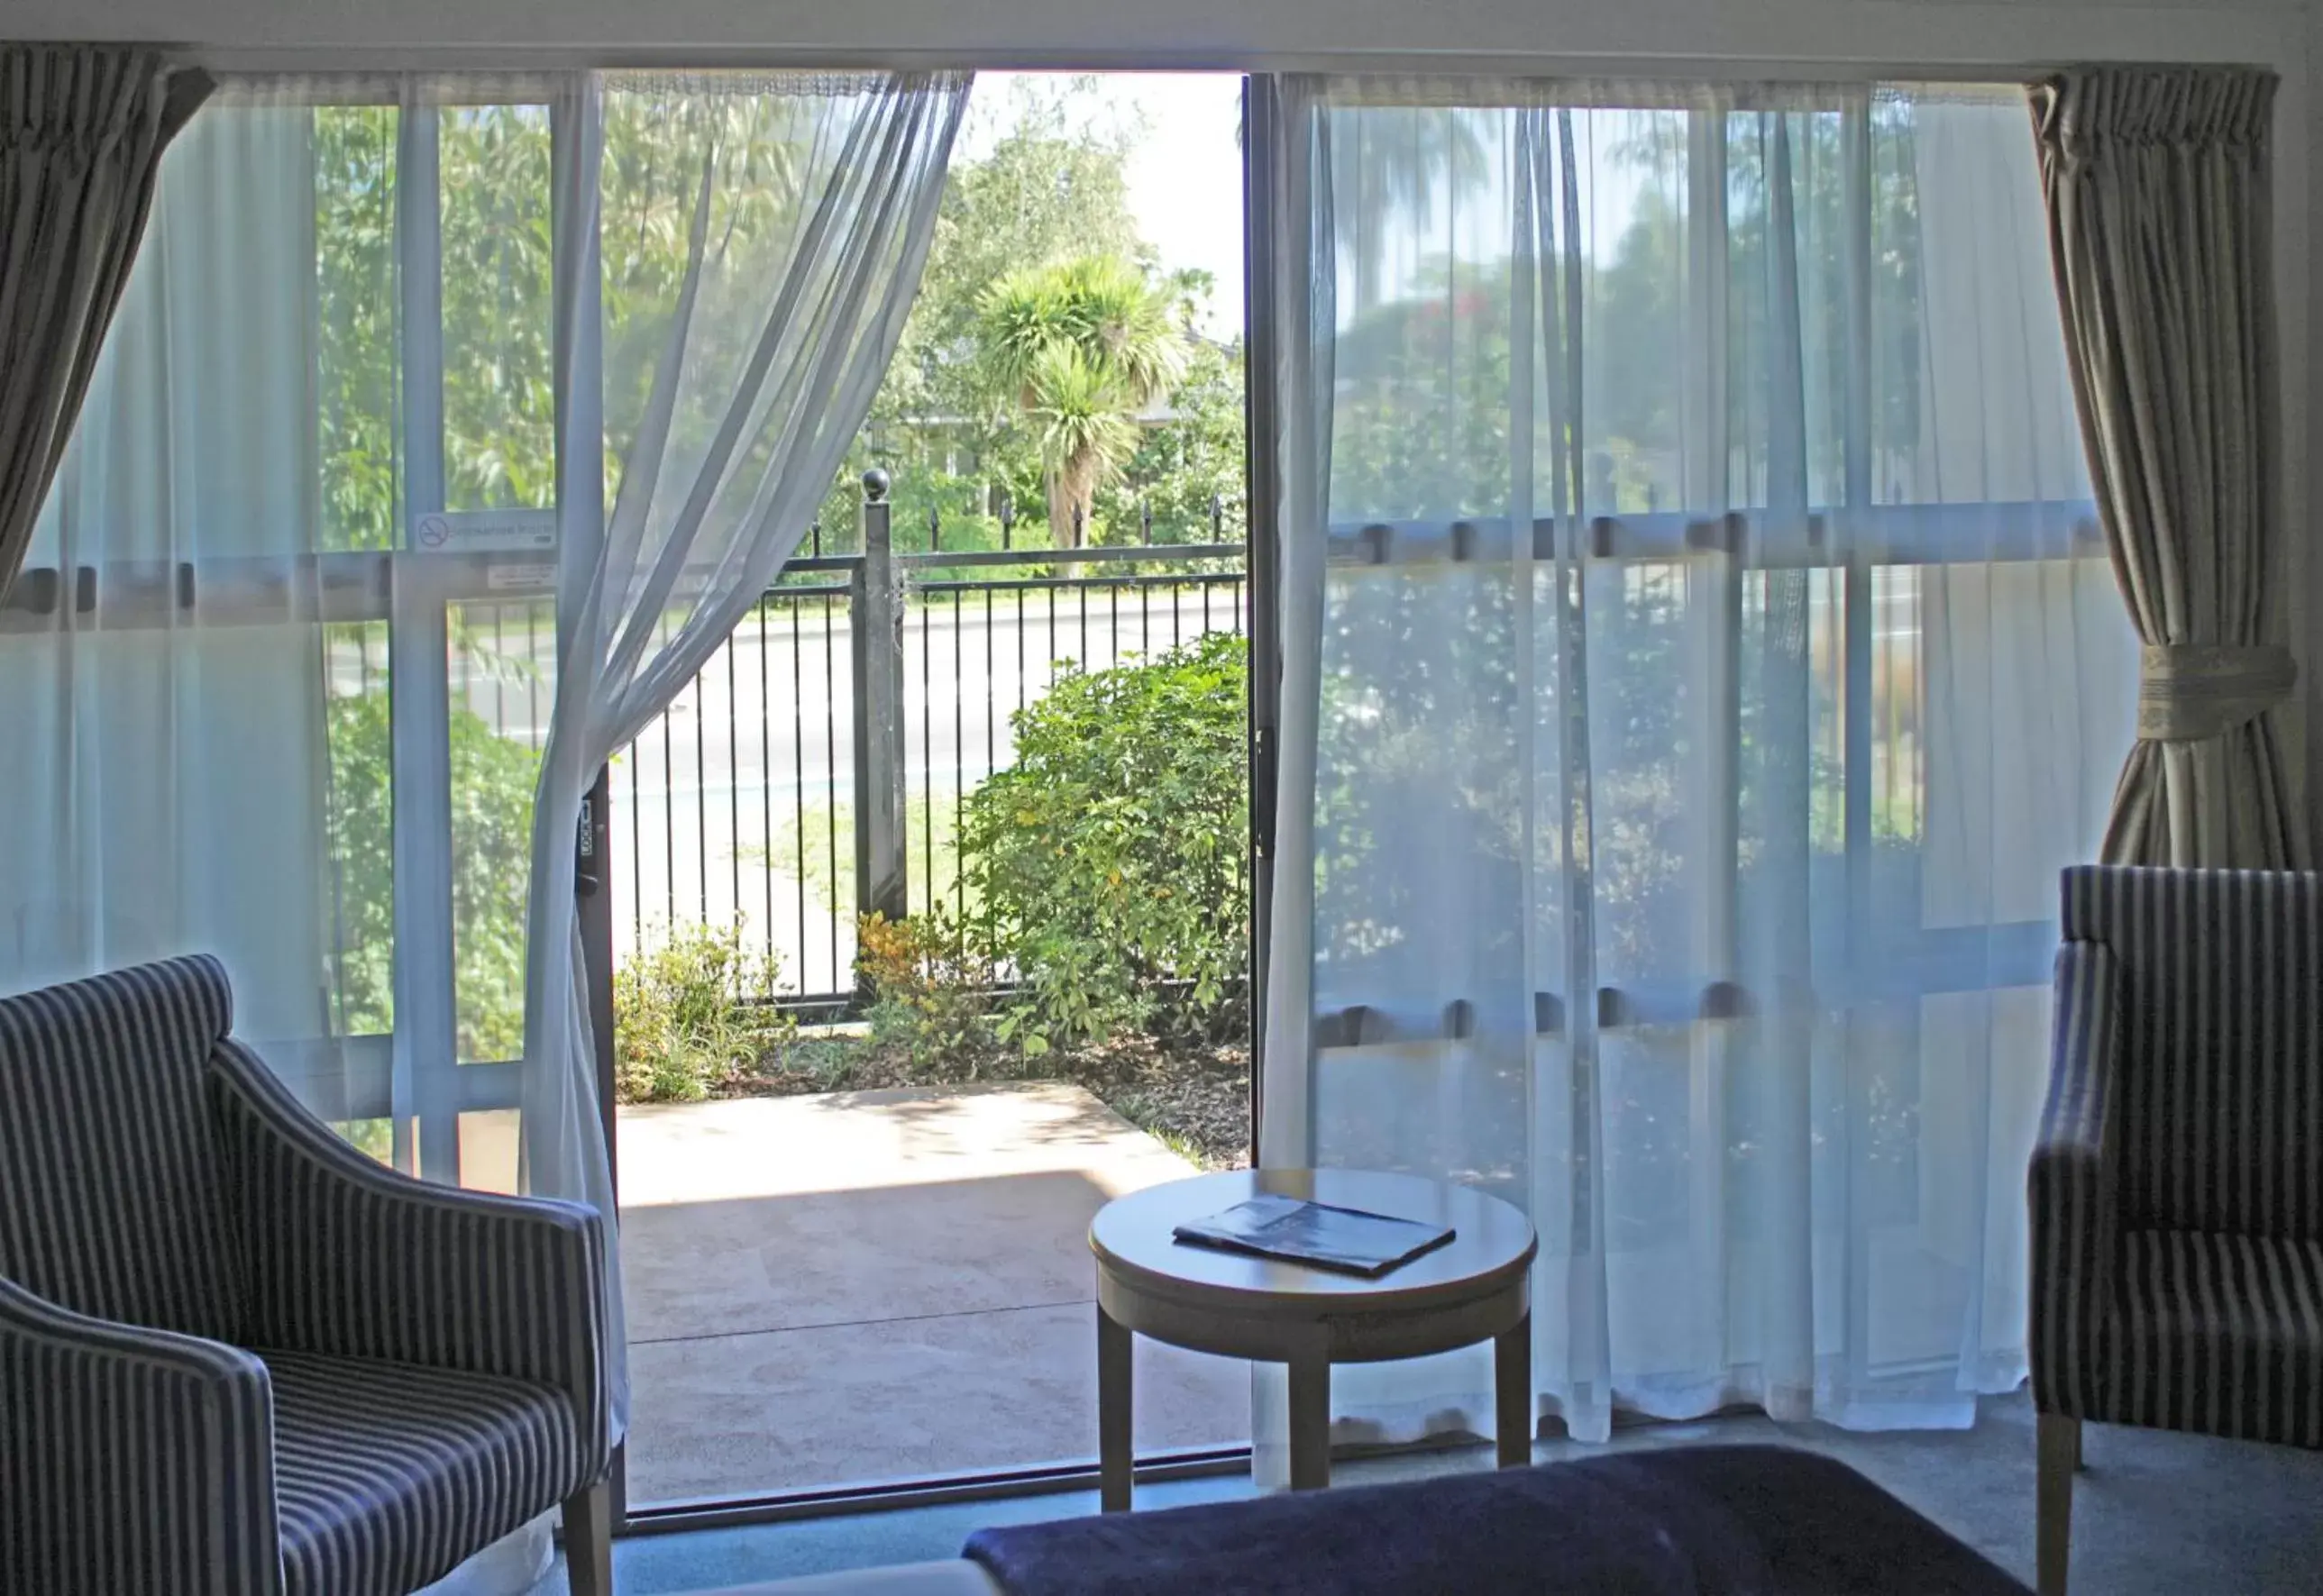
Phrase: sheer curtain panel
(446, 423)
(1712, 657)
(701, 418)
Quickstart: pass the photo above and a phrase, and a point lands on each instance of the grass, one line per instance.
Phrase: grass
(818, 843)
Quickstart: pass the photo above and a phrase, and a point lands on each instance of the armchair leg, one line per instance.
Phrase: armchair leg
(589, 1541)
(2060, 1448)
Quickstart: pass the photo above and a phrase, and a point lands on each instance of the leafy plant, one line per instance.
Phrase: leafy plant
(1081, 348)
(1186, 464)
(931, 985)
(684, 1021)
(1106, 864)
(491, 790)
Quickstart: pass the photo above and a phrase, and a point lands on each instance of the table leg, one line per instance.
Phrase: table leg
(1112, 1414)
(1310, 1423)
(1512, 1418)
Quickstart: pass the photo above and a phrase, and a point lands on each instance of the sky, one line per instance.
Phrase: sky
(1185, 177)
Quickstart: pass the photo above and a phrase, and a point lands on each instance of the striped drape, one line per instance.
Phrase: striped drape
(2159, 193)
(82, 128)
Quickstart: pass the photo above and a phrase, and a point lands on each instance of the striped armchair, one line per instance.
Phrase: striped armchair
(2177, 1185)
(237, 1357)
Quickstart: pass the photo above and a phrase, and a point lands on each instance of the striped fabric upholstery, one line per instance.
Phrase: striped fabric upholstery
(2176, 1192)
(2222, 1335)
(351, 1259)
(2221, 1111)
(112, 1200)
(391, 1475)
(438, 1367)
(2075, 1229)
(128, 1458)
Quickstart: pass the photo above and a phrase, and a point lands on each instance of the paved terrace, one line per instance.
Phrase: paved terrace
(881, 1286)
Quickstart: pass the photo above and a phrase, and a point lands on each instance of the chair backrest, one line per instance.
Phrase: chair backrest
(2219, 1111)
(111, 1194)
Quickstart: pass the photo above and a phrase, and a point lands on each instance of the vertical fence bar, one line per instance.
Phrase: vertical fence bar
(637, 853)
(767, 794)
(991, 756)
(959, 751)
(830, 785)
(669, 825)
(876, 634)
(927, 762)
(701, 799)
(734, 782)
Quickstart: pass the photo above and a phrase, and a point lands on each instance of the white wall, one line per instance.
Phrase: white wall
(1729, 37)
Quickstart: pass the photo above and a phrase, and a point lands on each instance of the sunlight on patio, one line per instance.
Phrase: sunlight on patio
(882, 1286)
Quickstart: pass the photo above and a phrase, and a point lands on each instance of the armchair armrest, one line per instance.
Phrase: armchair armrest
(354, 1260)
(2070, 1187)
(131, 1459)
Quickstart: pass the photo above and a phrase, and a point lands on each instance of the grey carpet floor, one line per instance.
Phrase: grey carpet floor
(2154, 1514)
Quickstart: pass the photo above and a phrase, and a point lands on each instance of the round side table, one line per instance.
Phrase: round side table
(1475, 1288)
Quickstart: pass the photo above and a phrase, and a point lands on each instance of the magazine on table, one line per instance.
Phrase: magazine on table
(1293, 1229)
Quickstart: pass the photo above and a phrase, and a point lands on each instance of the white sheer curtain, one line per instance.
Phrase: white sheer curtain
(163, 675)
(446, 424)
(727, 398)
(1687, 563)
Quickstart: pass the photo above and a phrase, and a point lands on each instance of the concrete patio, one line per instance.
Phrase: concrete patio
(862, 1287)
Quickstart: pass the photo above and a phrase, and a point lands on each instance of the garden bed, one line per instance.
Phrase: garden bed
(1196, 1100)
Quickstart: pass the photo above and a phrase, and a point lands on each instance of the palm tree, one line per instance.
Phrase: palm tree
(1081, 346)
(1388, 170)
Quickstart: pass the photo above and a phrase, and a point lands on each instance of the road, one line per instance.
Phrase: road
(741, 797)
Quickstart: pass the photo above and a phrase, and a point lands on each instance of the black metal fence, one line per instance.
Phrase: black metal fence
(807, 775)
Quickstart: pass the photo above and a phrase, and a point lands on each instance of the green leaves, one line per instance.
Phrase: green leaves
(1106, 862)
(493, 778)
(1083, 345)
(691, 1015)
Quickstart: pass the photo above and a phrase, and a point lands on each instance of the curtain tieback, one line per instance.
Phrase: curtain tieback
(2186, 692)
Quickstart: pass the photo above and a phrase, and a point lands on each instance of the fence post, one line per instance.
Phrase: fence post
(876, 630)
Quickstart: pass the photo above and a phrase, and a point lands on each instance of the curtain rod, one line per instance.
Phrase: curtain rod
(506, 58)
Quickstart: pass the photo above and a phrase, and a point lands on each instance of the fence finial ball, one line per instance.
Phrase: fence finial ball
(875, 485)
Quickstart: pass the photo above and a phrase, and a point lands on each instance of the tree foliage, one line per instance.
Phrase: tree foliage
(493, 780)
(1046, 189)
(1083, 346)
(1050, 187)
(1106, 865)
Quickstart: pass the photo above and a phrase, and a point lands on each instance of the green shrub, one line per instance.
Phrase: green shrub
(1106, 865)
(931, 987)
(493, 782)
(683, 1022)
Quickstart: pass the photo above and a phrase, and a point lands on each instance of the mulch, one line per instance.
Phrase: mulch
(1195, 1098)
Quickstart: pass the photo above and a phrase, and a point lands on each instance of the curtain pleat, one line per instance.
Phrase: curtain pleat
(1696, 658)
(728, 403)
(82, 128)
(2158, 187)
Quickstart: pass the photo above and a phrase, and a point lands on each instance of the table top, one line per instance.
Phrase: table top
(1493, 1242)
